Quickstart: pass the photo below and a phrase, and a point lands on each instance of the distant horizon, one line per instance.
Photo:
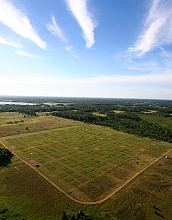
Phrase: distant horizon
(79, 97)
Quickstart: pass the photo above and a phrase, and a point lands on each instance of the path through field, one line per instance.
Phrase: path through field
(90, 203)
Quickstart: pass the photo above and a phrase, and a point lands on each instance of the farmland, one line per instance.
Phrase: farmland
(88, 162)
(83, 164)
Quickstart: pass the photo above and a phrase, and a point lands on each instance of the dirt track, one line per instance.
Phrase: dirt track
(89, 203)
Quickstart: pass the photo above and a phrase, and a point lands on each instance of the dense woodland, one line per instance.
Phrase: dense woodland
(120, 114)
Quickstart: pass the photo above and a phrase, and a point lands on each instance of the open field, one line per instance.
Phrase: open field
(26, 195)
(87, 162)
(15, 123)
(163, 121)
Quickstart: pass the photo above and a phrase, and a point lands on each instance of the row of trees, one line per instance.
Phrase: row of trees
(129, 123)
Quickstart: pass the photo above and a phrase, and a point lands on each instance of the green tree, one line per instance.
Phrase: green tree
(5, 156)
(64, 216)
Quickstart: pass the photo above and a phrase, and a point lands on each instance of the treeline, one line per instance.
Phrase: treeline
(158, 107)
(103, 112)
(28, 110)
(129, 123)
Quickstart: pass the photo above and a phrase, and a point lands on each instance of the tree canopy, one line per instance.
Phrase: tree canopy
(5, 156)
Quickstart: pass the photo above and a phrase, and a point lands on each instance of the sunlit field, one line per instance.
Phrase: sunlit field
(87, 162)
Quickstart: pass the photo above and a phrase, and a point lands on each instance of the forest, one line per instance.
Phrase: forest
(126, 115)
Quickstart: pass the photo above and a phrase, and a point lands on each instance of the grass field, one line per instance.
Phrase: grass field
(88, 162)
(14, 123)
(162, 121)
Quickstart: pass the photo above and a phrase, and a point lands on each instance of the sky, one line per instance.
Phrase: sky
(86, 48)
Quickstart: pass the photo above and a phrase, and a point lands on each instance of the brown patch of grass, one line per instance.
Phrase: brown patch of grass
(32, 162)
(97, 188)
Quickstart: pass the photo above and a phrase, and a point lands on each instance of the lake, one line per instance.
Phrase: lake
(15, 103)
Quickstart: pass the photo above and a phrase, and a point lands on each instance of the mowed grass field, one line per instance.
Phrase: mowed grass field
(87, 162)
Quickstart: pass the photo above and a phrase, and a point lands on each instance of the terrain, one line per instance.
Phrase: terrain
(67, 165)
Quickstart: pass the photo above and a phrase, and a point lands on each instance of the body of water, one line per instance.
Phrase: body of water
(15, 103)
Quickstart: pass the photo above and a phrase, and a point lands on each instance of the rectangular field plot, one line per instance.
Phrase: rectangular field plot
(79, 157)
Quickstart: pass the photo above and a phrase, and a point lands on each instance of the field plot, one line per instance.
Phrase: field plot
(12, 123)
(87, 162)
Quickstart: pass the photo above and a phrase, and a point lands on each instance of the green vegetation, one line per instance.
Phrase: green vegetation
(8, 212)
(93, 215)
(5, 156)
(86, 161)
(124, 115)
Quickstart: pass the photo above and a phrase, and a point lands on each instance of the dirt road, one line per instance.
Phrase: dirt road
(90, 203)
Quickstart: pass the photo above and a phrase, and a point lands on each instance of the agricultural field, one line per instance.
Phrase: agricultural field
(87, 162)
(65, 165)
(12, 123)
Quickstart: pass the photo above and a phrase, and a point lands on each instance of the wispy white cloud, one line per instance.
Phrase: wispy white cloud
(157, 29)
(9, 42)
(71, 50)
(84, 19)
(25, 54)
(17, 21)
(55, 29)
(17, 46)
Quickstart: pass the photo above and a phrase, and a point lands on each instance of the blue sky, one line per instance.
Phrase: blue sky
(86, 48)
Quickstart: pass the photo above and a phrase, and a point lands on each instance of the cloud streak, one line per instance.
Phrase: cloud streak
(18, 22)
(84, 19)
(9, 43)
(157, 29)
(25, 54)
(55, 29)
